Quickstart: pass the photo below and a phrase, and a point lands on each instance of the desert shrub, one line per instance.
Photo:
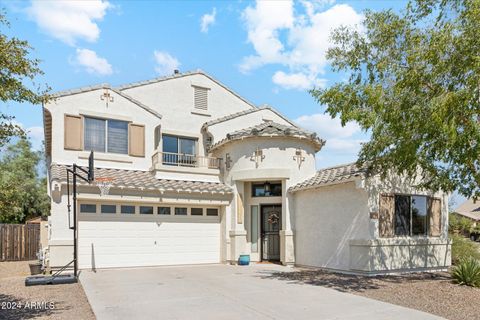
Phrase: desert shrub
(467, 272)
(459, 224)
(463, 248)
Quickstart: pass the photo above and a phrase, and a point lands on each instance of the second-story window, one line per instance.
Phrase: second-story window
(106, 135)
(179, 150)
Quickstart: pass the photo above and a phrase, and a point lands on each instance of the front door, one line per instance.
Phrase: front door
(271, 225)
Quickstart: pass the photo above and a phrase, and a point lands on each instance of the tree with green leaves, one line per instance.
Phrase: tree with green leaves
(413, 83)
(23, 194)
(17, 74)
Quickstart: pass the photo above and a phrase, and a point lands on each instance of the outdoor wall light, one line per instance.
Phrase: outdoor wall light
(267, 187)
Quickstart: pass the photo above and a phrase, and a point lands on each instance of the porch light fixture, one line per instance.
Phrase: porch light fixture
(267, 187)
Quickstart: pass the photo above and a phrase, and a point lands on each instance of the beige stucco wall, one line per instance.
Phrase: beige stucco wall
(335, 227)
(173, 99)
(325, 221)
(89, 104)
(278, 164)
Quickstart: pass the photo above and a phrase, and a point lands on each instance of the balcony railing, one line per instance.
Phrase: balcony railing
(185, 160)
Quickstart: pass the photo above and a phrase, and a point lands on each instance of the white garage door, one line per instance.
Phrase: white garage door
(105, 244)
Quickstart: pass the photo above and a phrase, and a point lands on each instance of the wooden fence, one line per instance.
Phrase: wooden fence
(19, 241)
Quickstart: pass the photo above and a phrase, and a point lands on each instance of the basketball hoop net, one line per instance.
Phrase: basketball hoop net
(104, 184)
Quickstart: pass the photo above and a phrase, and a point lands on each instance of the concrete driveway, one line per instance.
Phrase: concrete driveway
(224, 292)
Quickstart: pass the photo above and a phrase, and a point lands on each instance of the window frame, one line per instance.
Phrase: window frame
(105, 205)
(183, 215)
(197, 215)
(106, 121)
(212, 215)
(179, 138)
(410, 217)
(164, 214)
(87, 204)
(253, 194)
(146, 206)
(128, 205)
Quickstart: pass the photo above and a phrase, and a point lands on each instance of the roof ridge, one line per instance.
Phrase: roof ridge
(245, 112)
(68, 92)
(337, 166)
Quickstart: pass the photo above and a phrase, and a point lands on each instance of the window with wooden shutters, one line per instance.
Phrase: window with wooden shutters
(105, 135)
(409, 215)
(73, 132)
(136, 140)
(386, 216)
(435, 217)
(200, 98)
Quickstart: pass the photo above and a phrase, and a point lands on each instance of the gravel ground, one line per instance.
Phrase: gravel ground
(66, 301)
(430, 292)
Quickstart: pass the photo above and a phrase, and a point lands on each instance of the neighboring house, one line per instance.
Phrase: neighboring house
(470, 209)
(202, 176)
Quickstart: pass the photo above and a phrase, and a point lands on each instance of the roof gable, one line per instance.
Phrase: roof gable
(106, 86)
(181, 75)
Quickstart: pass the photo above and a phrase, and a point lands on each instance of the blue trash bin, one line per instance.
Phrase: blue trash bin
(244, 260)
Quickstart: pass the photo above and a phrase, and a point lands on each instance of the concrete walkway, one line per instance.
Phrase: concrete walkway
(225, 292)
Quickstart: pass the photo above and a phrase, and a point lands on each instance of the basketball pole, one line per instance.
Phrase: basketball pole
(77, 171)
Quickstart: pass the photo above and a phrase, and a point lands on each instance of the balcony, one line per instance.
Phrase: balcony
(179, 162)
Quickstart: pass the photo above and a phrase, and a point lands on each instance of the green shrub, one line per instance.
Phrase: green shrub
(467, 272)
(463, 248)
(458, 224)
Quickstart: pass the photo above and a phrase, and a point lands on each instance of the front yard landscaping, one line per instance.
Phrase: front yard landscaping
(67, 301)
(430, 292)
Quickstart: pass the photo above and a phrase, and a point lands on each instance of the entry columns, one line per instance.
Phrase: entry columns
(287, 253)
(238, 233)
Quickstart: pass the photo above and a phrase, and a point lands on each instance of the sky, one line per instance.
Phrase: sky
(270, 52)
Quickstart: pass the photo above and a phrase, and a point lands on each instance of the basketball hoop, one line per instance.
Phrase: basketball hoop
(104, 184)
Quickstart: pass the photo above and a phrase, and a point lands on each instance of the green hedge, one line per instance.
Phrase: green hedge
(463, 248)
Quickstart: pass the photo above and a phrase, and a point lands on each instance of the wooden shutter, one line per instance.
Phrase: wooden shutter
(435, 217)
(200, 98)
(73, 132)
(386, 216)
(136, 140)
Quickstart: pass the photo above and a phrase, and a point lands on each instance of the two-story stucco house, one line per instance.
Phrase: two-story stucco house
(200, 175)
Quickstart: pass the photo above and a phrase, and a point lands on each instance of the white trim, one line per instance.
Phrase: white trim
(260, 174)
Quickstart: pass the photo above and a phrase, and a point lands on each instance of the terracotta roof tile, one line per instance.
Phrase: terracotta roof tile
(271, 129)
(242, 113)
(136, 179)
(329, 176)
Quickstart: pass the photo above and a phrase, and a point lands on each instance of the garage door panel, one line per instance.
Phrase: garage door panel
(105, 244)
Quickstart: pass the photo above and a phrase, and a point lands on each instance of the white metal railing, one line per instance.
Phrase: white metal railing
(185, 160)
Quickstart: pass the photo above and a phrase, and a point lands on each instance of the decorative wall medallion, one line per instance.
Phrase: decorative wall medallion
(228, 161)
(299, 157)
(107, 97)
(257, 157)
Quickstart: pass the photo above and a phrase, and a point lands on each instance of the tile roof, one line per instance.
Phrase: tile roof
(242, 113)
(106, 86)
(330, 175)
(135, 179)
(470, 209)
(271, 129)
